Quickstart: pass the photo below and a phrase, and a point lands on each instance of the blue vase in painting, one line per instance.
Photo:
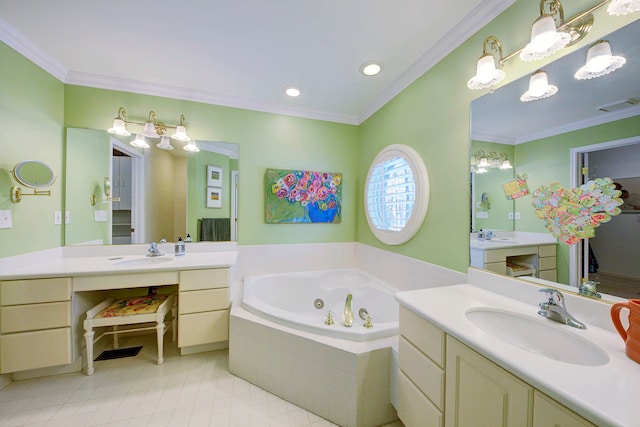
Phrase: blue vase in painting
(316, 214)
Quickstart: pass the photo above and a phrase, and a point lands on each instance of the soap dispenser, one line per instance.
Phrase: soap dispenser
(188, 238)
(180, 248)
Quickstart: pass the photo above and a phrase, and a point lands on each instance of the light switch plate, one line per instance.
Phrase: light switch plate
(517, 215)
(510, 215)
(66, 217)
(6, 219)
(481, 214)
(57, 217)
(101, 216)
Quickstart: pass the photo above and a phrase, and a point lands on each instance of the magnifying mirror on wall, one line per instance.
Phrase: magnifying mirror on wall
(33, 174)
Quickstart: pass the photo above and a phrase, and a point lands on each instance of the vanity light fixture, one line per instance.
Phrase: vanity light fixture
(487, 75)
(191, 147)
(152, 128)
(506, 164)
(539, 88)
(481, 170)
(139, 141)
(623, 7)
(165, 144)
(492, 160)
(545, 37)
(600, 61)
(484, 163)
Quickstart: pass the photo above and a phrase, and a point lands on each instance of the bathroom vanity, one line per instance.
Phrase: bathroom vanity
(453, 372)
(516, 254)
(42, 306)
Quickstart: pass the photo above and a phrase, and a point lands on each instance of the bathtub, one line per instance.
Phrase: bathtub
(290, 299)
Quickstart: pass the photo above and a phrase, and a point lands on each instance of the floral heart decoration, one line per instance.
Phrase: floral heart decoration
(573, 214)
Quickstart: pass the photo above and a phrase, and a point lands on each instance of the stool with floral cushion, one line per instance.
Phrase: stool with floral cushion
(113, 313)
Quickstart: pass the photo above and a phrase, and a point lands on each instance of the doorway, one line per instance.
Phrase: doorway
(609, 257)
(129, 213)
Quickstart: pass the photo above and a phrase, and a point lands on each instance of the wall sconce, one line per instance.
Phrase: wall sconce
(107, 193)
(539, 88)
(600, 61)
(153, 129)
(487, 75)
(623, 7)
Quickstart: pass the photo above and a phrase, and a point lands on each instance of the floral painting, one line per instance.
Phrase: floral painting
(297, 196)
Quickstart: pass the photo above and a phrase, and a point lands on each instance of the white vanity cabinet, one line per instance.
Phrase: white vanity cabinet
(203, 307)
(35, 324)
(444, 383)
(541, 257)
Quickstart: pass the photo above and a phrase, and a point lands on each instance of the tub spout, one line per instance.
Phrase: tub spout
(348, 312)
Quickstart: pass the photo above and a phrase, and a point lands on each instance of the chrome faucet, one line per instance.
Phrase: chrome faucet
(153, 250)
(348, 312)
(555, 309)
(589, 288)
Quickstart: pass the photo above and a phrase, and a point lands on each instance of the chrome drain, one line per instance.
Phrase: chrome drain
(318, 303)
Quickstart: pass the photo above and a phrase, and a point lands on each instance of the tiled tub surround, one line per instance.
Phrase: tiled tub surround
(289, 299)
(349, 383)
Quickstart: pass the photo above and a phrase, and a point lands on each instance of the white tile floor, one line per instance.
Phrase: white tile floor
(193, 390)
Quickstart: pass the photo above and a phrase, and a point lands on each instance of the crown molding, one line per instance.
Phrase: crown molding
(224, 148)
(15, 40)
(484, 13)
(559, 130)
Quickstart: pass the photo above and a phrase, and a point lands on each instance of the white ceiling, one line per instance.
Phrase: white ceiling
(242, 53)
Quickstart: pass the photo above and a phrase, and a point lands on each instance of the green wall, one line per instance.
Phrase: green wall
(31, 119)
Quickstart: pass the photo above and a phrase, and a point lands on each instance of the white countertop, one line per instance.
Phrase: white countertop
(605, 394)
(511, 239)
(84, 261)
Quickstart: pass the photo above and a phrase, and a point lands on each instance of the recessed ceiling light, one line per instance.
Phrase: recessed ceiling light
(370, 68)
(292, 91)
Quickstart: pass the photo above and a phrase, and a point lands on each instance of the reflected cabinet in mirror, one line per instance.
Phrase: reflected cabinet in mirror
(589, 129)
(119, 194)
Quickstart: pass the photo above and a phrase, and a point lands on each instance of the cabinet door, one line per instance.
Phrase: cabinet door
(124, 183)
(549, 413)
(481, 394)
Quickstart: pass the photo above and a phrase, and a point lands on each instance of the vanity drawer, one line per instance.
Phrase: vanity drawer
(124, 280)
(497, 267)
(21, 318)
(414, 409)
(426, 375)
(32, 291)
(551, 275)
(33, 350)
(428, 338)
(203, 328)
(547, 250)
(547, 263)
(192, 280)
(205, 300)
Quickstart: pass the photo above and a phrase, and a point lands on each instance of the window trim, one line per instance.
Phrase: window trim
(421, 202)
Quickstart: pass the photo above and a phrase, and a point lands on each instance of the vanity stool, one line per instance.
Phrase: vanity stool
(114, 312)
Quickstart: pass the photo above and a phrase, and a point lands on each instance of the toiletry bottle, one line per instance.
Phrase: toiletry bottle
(180, 249)
(188, 238)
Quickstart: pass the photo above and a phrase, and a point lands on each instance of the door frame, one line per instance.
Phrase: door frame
(138, 205)
(576, 252)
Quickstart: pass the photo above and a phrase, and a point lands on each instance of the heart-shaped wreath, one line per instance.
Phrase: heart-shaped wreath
(573, 214)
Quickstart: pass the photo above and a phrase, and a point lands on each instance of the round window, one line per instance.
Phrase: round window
(396, 194)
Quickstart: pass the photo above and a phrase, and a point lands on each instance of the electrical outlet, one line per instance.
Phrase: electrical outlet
(510, 215)
(66, 217)
(57, 217)
(5, 219)
(517, 215)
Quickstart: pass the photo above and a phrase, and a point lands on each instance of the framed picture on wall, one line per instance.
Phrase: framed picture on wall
(214, 197)
(214, 176)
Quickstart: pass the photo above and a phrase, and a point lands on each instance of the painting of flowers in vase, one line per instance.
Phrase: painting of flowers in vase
(298, 196)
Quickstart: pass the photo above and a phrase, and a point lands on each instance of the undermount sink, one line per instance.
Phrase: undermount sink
(144, 261)
(537, 336)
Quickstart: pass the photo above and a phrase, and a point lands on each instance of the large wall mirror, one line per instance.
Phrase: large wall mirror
(154, 194)
(595, 122)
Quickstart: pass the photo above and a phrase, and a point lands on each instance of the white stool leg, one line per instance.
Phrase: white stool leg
(160, 332)
(116, 343)
(88, 337)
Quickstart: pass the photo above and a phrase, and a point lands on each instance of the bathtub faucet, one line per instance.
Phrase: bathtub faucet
(348, 312)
